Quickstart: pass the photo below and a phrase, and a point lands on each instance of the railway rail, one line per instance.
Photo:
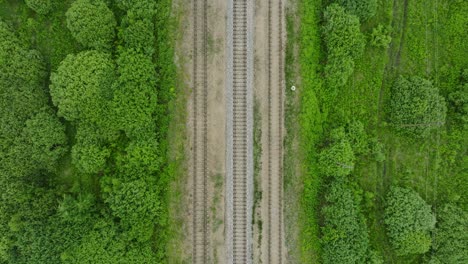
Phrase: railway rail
(239, 139)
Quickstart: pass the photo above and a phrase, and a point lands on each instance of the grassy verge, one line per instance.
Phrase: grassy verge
(176, 137)
(303, 123)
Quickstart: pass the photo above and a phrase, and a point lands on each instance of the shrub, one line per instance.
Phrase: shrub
(337, 159)
(40, 6)
(344, 42)
(344, 236)
(358, 137)
(416, 107)
(380, 37)
(451, 235)
(409, 220)
(364, 9)
(91, 23)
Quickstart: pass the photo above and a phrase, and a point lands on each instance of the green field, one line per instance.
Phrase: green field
(428, 41)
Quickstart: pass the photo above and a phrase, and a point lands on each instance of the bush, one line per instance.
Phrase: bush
(337, 159)
(344, 236)
(409, 220)
(344, 42)
(91, 23)
(40, 6)
(380, 37)
(416, 107)
(364, 9)
(358, 137)
(451, 235)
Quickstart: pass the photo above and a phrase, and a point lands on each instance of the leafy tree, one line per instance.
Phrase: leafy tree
(364, 9)
(91, 23)
(82, 85)
(337, 159)
(136, 203)
(451, 235)
(90, 152)
(40, 6)
(380, 37)
(409, 220)
(416, 107)
(134, 103)
(345, 237)
(358, 137)
(140, 158)
(138, 34)
(106, 244)
(45, 136)
(344, 42)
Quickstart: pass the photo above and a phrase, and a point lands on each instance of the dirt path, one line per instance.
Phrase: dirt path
(269, 82)
(203, 43)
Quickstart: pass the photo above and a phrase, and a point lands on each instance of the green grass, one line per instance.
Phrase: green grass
(428, 40)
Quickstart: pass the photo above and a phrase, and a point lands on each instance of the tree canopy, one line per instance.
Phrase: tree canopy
(81, 85)
(451, 235)
(409, 220)
(91, 23)
(40, 6)
(345, 237)
(416, 107)
(344, 42)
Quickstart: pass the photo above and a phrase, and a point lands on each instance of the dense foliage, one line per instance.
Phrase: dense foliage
(40, 6)
(92, 23)
(364, 9)
(344, 42)
(337, 160)
(416, 107)
(451, 235)
(345, 238)
(409, 220)
(83, 166)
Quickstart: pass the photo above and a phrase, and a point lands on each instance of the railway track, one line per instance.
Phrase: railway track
(200, 242)
(275, 132)
(239, 154)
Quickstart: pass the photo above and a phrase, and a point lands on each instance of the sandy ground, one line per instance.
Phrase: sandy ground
(271, 247)
(215, 129)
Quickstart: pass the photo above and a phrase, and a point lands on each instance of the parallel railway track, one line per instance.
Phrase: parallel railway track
(200, 237)
(275, 132)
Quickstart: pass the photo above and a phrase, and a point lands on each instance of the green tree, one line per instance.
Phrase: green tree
(409, 220)
(358, 137)
(46, 140)
(134, 103)
(344, 42)
(337, 159)
(138, 34)
(91, 23)
(416, 108)
(451, 235)
(364, 9)
(90, 152)
(82, 86)
(40, 6)
(345, 237)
